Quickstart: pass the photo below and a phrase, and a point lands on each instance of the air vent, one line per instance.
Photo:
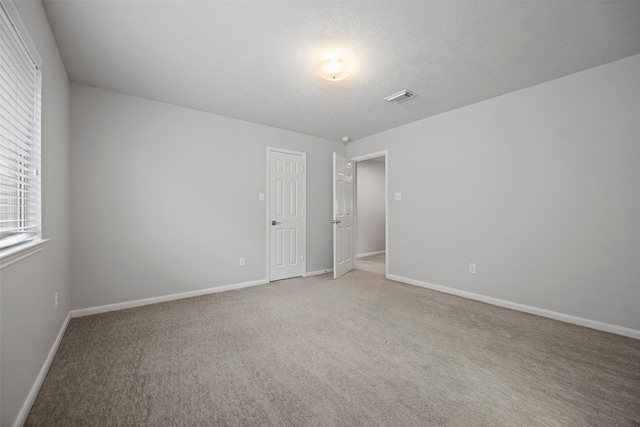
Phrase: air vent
(399, 97)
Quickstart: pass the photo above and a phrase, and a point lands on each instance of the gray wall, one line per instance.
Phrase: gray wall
(165, 199)
(370, 206)
(29, 321)
(540, 188)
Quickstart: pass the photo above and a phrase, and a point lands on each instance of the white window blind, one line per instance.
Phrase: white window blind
(20, 81)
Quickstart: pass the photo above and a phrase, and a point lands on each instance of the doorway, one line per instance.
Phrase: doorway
(344, 245)
(286, 219)
(370, 237)
(371, 213)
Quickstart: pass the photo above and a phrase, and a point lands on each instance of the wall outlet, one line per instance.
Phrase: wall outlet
(397, 196)
(241, 263)
(261, 197)
(55, 298)
(472, 268)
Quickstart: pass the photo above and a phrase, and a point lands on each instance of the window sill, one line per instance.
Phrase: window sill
(14, 254)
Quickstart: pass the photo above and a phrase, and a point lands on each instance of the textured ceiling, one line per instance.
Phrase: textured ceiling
(258, 61)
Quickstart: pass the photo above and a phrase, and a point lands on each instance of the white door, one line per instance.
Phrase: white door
(343, 248)
(286, 210)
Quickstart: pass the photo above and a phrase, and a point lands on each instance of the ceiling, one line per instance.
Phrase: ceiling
(258, 61)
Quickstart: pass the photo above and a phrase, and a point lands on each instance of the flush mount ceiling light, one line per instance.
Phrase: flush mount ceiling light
(399, 97)
(333, 68)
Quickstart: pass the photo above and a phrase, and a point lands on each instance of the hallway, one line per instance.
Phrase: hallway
(374, 264)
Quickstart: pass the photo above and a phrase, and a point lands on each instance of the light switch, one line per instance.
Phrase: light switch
(397, 196)
(261, 197)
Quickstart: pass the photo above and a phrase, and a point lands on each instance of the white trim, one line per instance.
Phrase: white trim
(14, 254)
(593, 324)
(370, 156)
(16, 19)
(317, 272)
(385, 154)
(35, 389)
(369, 254)
(268, 207)
(154, 300)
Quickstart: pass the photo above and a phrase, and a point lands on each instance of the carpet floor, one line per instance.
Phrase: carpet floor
(357, 351)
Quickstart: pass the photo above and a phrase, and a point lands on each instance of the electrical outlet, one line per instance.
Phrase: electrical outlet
(241, 262)
(261, 197)
(472, 268)
(56, 299)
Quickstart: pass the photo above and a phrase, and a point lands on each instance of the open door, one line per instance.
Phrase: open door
(343, 247)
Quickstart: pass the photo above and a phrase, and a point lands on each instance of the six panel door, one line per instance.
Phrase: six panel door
(286, 214)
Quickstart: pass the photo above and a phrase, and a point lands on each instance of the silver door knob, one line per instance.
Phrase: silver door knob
(275, 222)
(335, 221)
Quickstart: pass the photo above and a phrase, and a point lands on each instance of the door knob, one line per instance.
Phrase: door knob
(275, 222)
(335, 221)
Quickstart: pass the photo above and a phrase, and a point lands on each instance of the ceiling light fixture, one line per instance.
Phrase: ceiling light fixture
(333, 69)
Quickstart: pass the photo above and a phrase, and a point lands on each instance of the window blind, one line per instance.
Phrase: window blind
(20, 82)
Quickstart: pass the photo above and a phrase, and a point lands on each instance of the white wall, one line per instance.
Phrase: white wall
(540, 188)
(165, 199)
(29, 321)
(370, 206)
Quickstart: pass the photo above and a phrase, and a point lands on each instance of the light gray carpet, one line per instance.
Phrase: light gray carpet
(375, 264)
(357, 351)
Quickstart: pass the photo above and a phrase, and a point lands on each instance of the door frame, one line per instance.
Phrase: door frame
(385, 154)
(269, 150)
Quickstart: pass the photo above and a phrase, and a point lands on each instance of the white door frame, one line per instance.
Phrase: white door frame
(268, 208)
(385, 154)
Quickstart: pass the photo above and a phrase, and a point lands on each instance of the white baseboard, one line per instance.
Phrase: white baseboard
(33, 393)
(318, 272)
(369, 254)
(138, 303)
(593, 324)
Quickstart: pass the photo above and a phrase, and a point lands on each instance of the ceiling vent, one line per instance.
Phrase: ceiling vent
(399, 97)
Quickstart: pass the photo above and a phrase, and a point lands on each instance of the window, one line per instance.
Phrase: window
(20, 84)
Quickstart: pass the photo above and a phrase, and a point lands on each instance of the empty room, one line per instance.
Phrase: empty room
(319, 213)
